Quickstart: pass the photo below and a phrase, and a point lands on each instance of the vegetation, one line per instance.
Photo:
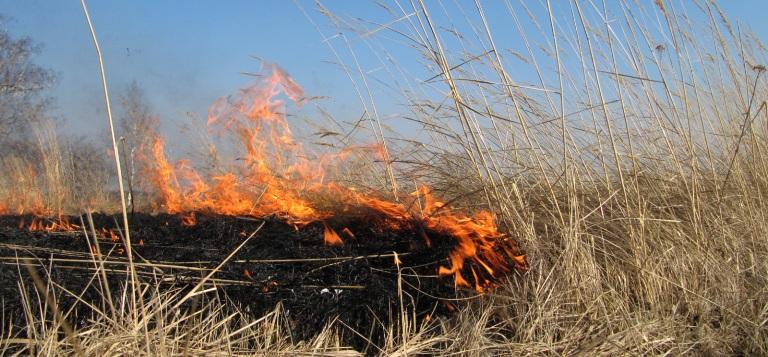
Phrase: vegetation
(629, 163)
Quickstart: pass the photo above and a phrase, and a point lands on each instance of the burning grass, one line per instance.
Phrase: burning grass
(632, 171)
(355, 283)
(275, 177)
(329, 252)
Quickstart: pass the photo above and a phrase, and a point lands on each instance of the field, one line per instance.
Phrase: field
(599, 190)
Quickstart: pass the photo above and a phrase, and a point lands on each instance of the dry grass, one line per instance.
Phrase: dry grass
(628, 161)
(53, 174)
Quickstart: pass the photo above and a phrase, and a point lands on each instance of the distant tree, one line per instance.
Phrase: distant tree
(138, 129)
(137, 125)
(22, 83)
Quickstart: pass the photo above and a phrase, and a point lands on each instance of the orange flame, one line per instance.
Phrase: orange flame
(273, 176)
(273, 171)
(189, 219)
(109, 233)
(348, 232)
(331, 237)
(61, 224)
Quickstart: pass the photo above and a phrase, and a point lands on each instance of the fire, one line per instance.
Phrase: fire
(331, 237)
(272, 172)
(189, 219)
(478, 237)
(348, 232)
(109, 234)
(61, 224)
(273, 176)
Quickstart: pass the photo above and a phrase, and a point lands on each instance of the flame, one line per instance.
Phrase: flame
(188, 219)
(109, 234)
(273, 176)
(330, 237)
(61, 224)
(348, 232)
(273, 170)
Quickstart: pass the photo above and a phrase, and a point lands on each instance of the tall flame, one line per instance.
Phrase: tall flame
(272, 173)
(273, 176)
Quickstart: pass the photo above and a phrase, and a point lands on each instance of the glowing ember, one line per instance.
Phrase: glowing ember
(348, 232)
(109, 234)
(189, 219)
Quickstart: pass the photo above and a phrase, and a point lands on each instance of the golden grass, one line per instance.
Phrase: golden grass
(632, 171)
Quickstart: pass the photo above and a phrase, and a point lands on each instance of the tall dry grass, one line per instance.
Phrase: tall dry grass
(50, 173)
(622, 144)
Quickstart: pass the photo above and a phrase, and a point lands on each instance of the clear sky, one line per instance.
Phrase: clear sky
(185, 54)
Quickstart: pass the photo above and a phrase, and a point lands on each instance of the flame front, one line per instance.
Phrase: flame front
(274, 176)
(39, 223)
(271, 174)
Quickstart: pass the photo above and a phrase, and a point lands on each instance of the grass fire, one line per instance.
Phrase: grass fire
(274, 181)
(391, 178)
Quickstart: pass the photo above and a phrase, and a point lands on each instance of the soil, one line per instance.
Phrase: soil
(356, 283)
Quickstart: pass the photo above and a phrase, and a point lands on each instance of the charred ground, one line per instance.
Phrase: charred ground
(356, 282)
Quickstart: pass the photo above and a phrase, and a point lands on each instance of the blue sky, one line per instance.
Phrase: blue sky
(185, 54)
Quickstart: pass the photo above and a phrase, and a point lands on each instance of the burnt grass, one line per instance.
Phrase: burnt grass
(356, 283)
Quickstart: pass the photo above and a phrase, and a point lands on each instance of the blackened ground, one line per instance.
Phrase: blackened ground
(356, 282)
